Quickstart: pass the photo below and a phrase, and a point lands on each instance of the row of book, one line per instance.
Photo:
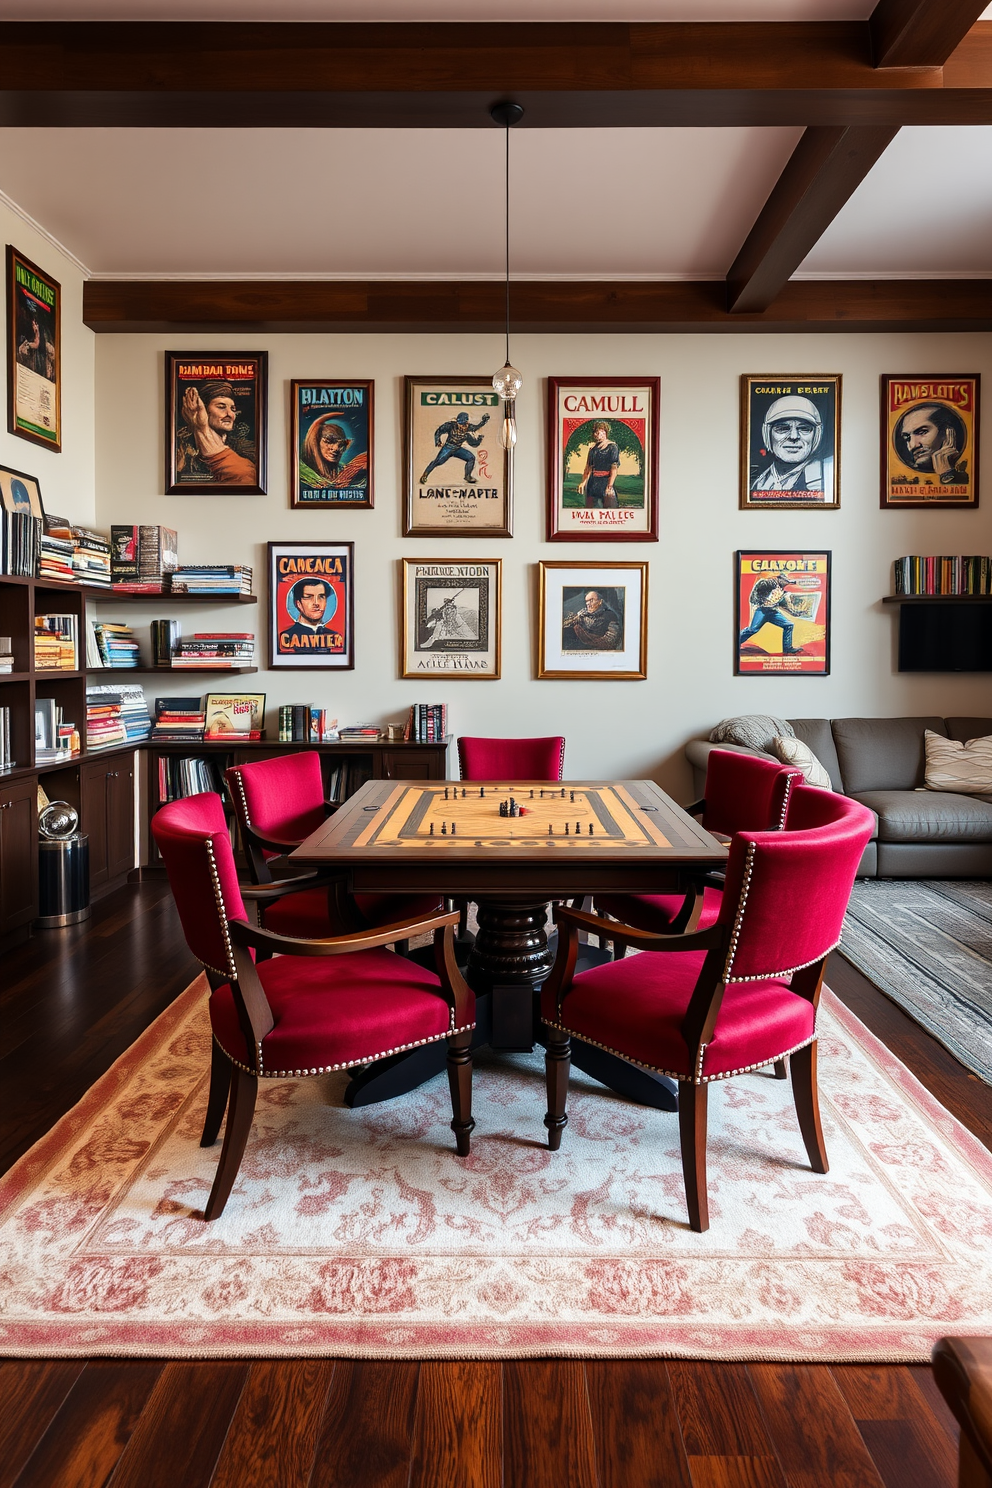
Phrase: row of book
(347, 776)
(115, 716)
(56, 643)
(142, 557)
(20, 543)
(215, 650)
(299, 724)
(916, 574)
(73, 554)
(110, 643)
(427, 723)
(7, 760)
(178, 720)
(211, 579)
(180, 776)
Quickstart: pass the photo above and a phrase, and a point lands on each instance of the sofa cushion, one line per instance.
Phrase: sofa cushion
(929, 816)
(882, 754)
(795, 752)
(968, 728)
(815, 732)
(963, 769)
(753, 730)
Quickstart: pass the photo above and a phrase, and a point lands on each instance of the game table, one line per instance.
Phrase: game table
(512, 849)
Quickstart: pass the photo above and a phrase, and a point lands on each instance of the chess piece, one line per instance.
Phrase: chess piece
(551, 830)
(444, 829)
(432, 829)
(566, 829)
(571, 795)
(454, 829)
(578, 829)
(590, 829)
(532, 794)
(445, 792)
(563, 793)
(464, 793)
(482, 792)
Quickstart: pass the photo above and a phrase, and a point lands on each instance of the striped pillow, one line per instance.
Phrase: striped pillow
(953, 766)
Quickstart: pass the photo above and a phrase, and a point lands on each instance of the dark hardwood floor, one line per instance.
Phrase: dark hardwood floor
(73, 1000)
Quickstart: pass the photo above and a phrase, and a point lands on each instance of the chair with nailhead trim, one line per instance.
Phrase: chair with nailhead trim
(294, 1014)
(511, 760)
(741, 994)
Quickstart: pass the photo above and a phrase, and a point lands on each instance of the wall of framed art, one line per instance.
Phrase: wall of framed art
(618, 724)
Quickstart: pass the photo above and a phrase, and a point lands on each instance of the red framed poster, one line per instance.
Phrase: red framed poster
(311, 606)
(782, 614)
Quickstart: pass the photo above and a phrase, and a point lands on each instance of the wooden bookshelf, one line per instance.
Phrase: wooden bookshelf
(937, 599)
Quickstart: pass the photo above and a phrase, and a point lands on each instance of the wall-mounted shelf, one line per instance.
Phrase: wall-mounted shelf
(169, 598)
(937, 599)
(152, 671)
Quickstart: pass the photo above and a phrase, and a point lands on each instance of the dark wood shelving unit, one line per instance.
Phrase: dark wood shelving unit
(154, 671)
(896, 599)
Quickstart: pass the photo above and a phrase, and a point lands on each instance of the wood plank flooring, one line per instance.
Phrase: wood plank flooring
(73, 1000)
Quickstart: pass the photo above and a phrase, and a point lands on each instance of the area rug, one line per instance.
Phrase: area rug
(361, 1234)
(927, 944)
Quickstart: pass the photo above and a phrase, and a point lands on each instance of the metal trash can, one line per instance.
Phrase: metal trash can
(63, 868)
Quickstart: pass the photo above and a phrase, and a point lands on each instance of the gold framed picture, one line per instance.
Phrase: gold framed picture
(593, 621)
(457, 473)
(930, 441)
(452, 615)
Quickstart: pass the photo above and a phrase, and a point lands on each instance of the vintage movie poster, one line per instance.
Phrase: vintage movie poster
(215, 422)
(34, 352)
(457, 471)
(930, 441)
(603, 459)
(311, 606)
(593, 621)
(790, 441)
(782, 614)
(451, 618)
(331, 441)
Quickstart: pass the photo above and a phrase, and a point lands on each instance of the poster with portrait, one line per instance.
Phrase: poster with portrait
(457, 472)
(311, 606)
(451, 618)
(593, 621)
(20, 492)
(215, 422)
(790, 442)
(603, 459)
(331, 443)
(34, 352)
(930, 441)
(782, 614)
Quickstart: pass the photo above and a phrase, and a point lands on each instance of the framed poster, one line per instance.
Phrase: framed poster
(782, 614)
(603, 459)
(790, 442)
(312, 606)
(34, 352)
(331, 443)
(930, 441)
(233, 713)
(215, 422)
(593, 621)
(20, 492)
(457, 472)
(451, 618)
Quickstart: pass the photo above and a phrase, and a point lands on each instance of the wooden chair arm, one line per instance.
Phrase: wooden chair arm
(642, 940)
(246, 935)
(281, 886)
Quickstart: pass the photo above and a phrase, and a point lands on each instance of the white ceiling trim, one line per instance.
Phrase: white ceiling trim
(852, 275)
(18, 211)
(418, 277)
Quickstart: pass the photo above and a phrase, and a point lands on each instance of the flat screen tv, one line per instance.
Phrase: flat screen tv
(945, 637)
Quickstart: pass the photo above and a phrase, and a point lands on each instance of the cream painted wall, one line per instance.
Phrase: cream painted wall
(67, 479)
(612, 728)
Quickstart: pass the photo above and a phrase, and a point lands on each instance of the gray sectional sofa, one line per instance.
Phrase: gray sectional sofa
(880, 762)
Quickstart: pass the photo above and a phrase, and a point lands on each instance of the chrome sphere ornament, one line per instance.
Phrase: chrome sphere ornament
(507, 382)
(58, 821)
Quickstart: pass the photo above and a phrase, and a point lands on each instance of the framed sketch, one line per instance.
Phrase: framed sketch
(603, 459)
(790, 442)
(930, 441)
(331, 443)
(457, 473)
(20, 492)
(451, 618)
(782, 614)
(312, 606)
(34, 352)
(593, 621)
(215, 422)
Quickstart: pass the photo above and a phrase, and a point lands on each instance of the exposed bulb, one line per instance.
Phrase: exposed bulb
(508, 433)
(507, 382)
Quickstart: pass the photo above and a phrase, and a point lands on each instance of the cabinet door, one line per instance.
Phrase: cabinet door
(93, 783)
(409, 764)
(120, 818)
(18, 854)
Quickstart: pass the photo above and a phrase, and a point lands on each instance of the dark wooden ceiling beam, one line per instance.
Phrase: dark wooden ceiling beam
(825, 168)
(920, 33)
(539, 306)
(567, 75)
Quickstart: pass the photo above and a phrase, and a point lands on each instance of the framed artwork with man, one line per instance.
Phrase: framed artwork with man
(215, 422)
(930, 441)
(331, 442)
(790, 442)
(457, 473)
(782, 614)
(593, 621)
(34, 352)
(311, 606)
(603, 459)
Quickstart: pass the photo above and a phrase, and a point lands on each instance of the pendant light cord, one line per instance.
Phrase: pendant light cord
(507, 219)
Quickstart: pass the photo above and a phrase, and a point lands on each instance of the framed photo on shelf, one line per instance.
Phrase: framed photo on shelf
(593, 621)
(34, 352)
(782, 614)
(930, 441)
(216, 406)
(603, 459)
(452, 618)
(312, 606)
(20, 492)
(790, 442)
(238, 713)
(457, 473)
(331, 426)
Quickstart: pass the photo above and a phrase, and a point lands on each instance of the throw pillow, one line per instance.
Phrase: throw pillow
(754, 730)
(953, 766)
(794, 752)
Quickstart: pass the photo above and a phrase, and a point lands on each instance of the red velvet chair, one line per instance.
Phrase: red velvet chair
(735, 997)
(278, 803)
(293, 1014)
(511, 760)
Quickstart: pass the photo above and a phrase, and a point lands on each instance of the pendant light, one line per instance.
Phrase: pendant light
(507, 381)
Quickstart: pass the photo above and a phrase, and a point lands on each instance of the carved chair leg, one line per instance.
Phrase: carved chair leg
(241, 1109)
(781, 1069)
(557, 1062)
(806, 1097)
(692, 1137)
(220, 1084)
(460, 1081)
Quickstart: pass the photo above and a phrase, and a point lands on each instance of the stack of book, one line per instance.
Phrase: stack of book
(300, 724)
(91, 557)
(179, 776)
(215, 651)
(56, 643)
(6, 654)
(54, 737)
(359, 731)
(178, 720)
(104, 723)
(57, 548)
(20, 543)
(113, 646)
(212, 578)
(427, 724)
(142, 559)
(348, 776)
(131, 705)
(943, 575)
(7, 761)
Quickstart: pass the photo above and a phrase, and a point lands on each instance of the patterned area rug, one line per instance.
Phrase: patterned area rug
(361, 1234)
(927, 944)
